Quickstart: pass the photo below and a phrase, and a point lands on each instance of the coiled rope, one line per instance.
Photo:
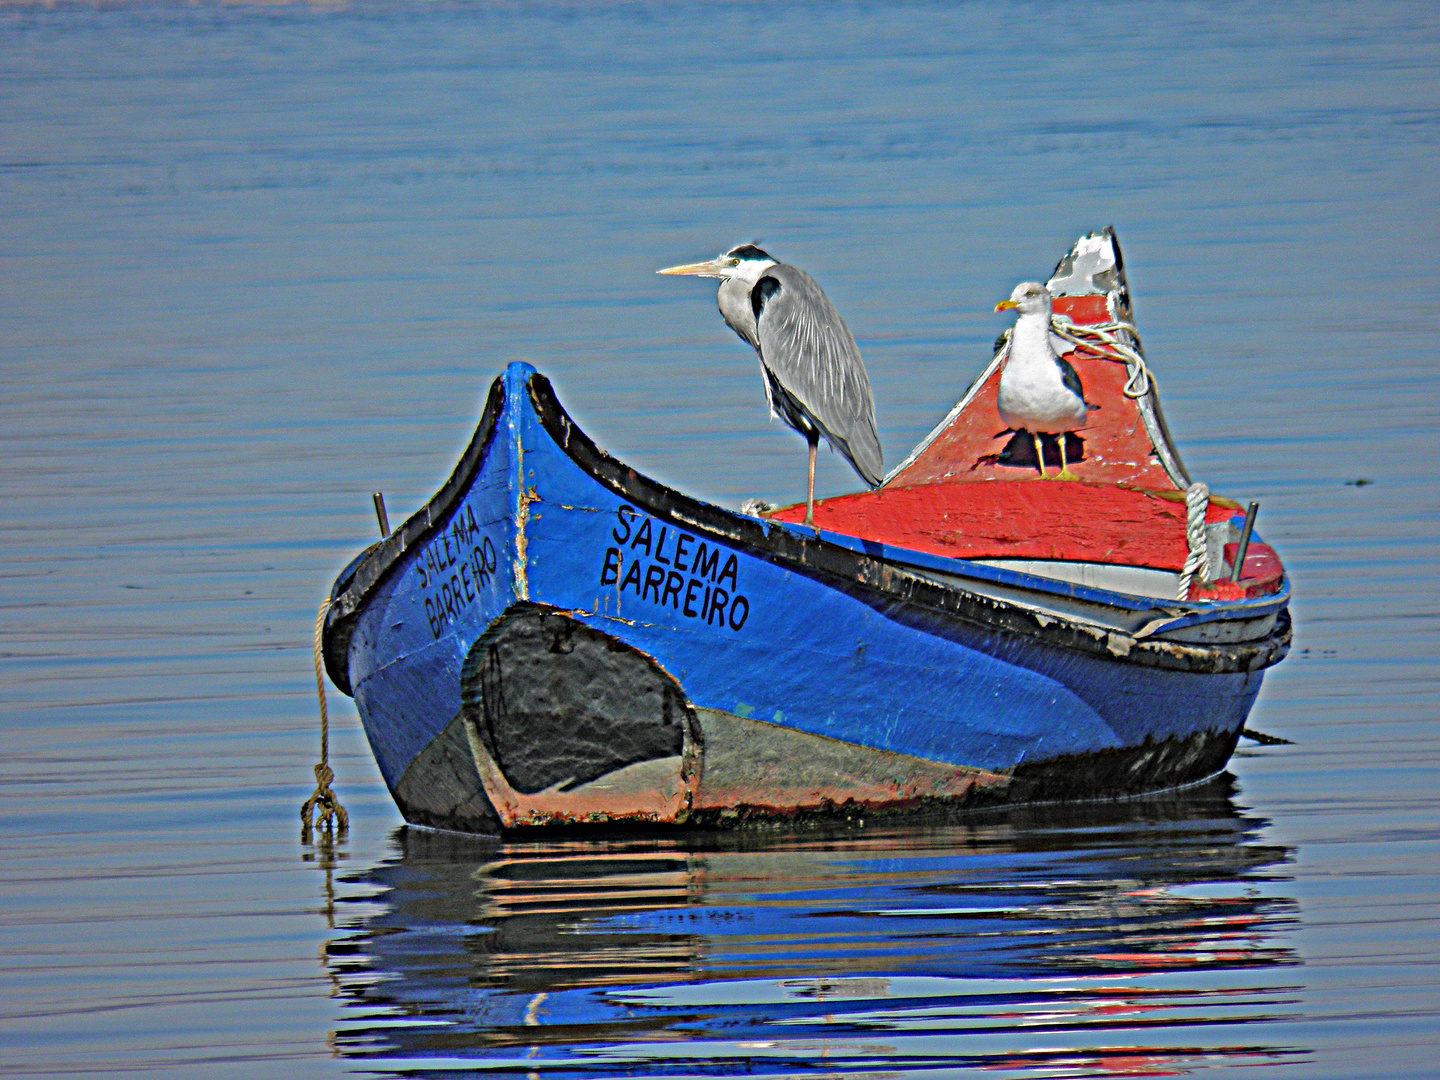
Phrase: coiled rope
(1104, 339)
(1197, 502)
(332, 816)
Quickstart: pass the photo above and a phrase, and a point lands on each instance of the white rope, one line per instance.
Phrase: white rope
(1105, 338)
(1197, 502)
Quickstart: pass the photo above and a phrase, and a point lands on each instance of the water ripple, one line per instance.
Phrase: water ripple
(1135, 939)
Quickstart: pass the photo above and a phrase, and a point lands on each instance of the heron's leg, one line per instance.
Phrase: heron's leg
(814, 441)
(1065, 473)
(1039, 453)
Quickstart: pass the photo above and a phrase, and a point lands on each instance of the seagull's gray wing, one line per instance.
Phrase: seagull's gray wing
(809, 352)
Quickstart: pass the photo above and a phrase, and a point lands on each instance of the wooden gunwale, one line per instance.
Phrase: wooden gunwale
(885, 581)
(876, 580)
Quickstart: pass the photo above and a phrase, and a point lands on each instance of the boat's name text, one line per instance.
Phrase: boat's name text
(453, 567)
(670, 568)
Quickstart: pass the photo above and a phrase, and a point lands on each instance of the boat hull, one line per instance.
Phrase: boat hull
(556, 640)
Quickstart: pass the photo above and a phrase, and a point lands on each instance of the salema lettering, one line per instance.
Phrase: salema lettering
(670, 568)
(453, 567)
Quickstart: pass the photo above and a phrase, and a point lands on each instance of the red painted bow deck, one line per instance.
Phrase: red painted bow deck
(963, 496)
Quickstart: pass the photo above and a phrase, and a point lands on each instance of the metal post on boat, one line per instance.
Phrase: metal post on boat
(384, 518)
(1244, 541)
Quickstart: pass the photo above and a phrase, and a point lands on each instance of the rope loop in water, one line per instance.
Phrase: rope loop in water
(331, 816)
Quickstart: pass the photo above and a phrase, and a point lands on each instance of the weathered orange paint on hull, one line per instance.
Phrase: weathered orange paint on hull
(754, 767)
(736, 768)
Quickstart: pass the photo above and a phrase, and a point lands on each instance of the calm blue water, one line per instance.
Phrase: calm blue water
(259, 261)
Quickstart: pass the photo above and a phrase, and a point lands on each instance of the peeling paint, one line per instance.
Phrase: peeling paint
(523, 501)
(622, 621)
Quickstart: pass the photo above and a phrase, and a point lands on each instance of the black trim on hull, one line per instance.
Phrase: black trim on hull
(883, 584)
(1137, 770)
(880, 584)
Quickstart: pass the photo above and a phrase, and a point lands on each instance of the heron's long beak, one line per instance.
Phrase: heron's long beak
(717, 268)
(1003, 305)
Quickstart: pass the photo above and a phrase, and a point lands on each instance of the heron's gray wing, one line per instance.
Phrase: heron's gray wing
(806, 346)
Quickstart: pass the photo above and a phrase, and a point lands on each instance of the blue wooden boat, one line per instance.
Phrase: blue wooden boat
(555, 639)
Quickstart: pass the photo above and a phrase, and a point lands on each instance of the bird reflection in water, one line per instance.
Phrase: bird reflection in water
(1129, 938)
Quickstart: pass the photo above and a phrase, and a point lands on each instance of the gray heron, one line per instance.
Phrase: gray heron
(814, 378)
(1040, 391)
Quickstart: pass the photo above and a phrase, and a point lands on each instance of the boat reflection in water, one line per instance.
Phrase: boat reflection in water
(1124, 939)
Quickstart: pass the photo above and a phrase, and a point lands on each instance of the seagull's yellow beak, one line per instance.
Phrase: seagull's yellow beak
(1003, 305)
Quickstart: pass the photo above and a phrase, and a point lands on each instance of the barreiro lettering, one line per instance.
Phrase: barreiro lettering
(670, 569)
(454, 566)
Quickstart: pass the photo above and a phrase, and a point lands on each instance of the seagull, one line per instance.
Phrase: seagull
(1039, 391)
(814, 378)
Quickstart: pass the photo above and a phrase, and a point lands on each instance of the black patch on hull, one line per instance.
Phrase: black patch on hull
(556, 703)
(442, 789)
(1133, 770)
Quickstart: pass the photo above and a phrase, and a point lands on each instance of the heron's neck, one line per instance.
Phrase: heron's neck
(734, 304)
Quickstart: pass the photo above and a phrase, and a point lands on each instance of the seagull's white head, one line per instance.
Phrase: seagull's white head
(1029, 298)
(746, 262)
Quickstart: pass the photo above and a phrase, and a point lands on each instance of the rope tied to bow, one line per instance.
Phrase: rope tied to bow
(1104, 341)
(331, 816)
(1197, 502)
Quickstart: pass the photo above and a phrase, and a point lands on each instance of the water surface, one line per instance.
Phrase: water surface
(260, 261)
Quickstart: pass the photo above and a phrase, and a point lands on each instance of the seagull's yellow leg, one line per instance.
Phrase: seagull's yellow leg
(1039, 455)
(1065, 473)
